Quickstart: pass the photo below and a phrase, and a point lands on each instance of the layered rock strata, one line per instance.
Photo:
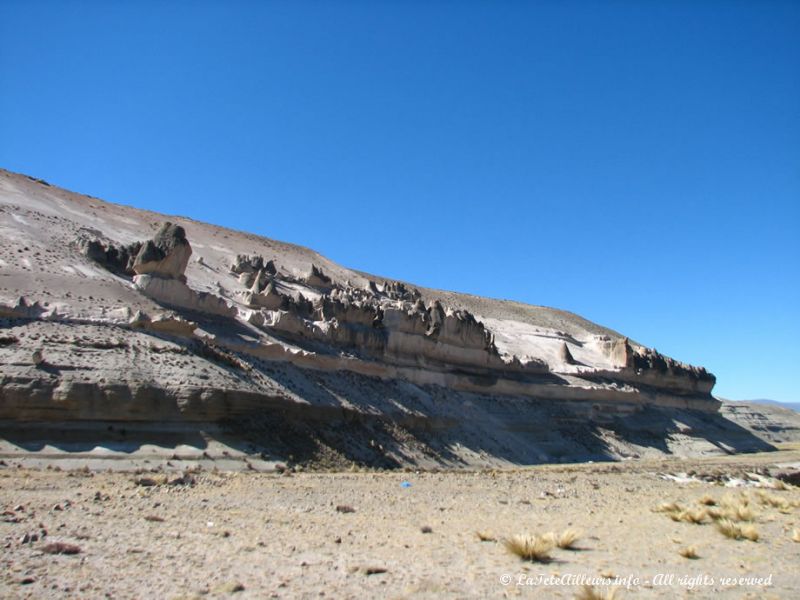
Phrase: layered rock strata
(253, 323)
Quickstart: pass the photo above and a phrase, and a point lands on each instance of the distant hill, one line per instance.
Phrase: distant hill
(795, 406)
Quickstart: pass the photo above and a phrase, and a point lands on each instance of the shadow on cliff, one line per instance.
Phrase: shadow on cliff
(86, 436)
(333, 420)
(336, 439)
(651, 427)
(553, 435)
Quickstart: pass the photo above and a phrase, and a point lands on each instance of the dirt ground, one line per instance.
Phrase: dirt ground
(391, 534)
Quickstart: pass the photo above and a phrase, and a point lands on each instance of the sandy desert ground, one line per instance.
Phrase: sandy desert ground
(399, 534)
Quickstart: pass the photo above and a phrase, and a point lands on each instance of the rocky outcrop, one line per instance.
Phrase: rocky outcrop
(254, 272)
(317, 279)
(163, 323)
(268, 298)
(565, 355)
(176, 294)
(116, 258)
(166, 255)
(394, 290)
(22, 309)
(646, 366)
(437, 337)
(396, 332)
(152, 334)
(252, 264)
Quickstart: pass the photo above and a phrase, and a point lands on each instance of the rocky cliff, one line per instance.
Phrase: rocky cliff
(108, 313)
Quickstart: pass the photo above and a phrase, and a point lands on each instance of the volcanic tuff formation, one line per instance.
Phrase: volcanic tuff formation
(115, 314)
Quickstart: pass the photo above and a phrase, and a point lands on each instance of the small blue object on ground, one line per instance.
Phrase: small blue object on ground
(405, 484)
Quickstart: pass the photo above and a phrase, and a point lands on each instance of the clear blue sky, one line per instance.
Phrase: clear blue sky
(635, 162)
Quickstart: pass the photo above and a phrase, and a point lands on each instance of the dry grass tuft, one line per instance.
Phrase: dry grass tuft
(742, 512)
(767, 499)
(695, 516)
(707, 500)
(668, 507)
(485, 536)
(733, 508)
(530, 547)
(732, 501)
(588, 592)
(736, 531)
(750, 532)
(688, 515)
(689, 552)
(729, 529)
(567, 538)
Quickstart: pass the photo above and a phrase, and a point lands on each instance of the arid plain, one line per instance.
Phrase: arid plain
(400, 534)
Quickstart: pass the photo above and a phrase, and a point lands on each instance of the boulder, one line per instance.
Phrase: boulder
(166, 255)
(792, 477)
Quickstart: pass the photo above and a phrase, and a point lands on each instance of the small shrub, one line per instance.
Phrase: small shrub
(695, 516)
(767, 499)
(668, 507)
(567, 538)
(750, 532)
(743, 512)
(737, 531)
(530, 547)
(733, 509)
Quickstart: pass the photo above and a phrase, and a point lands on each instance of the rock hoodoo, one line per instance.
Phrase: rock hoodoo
(166, 255)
